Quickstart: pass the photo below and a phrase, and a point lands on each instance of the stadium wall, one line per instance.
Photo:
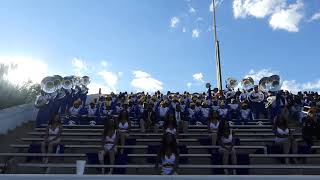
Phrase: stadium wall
(13, 117)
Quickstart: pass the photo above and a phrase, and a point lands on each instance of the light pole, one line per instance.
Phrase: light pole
(217, 47)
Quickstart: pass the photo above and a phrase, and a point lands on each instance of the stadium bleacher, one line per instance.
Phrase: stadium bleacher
(252, 126)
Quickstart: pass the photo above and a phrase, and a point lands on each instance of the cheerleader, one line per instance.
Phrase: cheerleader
(124, 126)
(109, 142)
(227, 149)
(52, 137)
(213, 126)
(168, 155)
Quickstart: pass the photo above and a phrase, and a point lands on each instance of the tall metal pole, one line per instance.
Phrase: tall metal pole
(217, 47)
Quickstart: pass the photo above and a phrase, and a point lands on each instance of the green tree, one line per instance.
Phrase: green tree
(13, 95)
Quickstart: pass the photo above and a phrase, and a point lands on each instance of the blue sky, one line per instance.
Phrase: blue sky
(162, 44)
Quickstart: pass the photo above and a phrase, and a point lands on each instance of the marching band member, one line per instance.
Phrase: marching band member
(178, 116)
(148, 117)
(106, 110)
(74, 111)
(92, 109)
(223, 110)
(311, 127)
(183, 115)
(234, 109)
(245, 114)
(256, 102)
(205, 111)
(243, 96)
(215, 105)
(191, 114)
(162, 114)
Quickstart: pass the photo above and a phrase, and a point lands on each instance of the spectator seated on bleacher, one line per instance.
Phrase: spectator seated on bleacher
(213, 126)
(110, 141)
(168, 155)
(123, 126)
(52, 137)
(284, 137)
(311, 127)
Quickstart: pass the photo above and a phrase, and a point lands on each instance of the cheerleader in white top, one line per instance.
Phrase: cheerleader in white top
(168, 155)
(52, 137)
(226, 149)
(109, 143)
(284, 136)
(213, 126)
(123, 127)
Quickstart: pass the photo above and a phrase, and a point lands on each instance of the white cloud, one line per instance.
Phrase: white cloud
(311, 85)
(110, 78)
(288, 19)
(120, 74)
(79, 66)
(198, 77)
(257, 75)
(174, 22)
(22, 69)
(189, 84)
(256, 8)
(282, 16)
(104, 63)
(192, 10)
(294, 87)
(94, 88)
(196, 33)
(184, 29)
(145, 82)
(315, 17)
